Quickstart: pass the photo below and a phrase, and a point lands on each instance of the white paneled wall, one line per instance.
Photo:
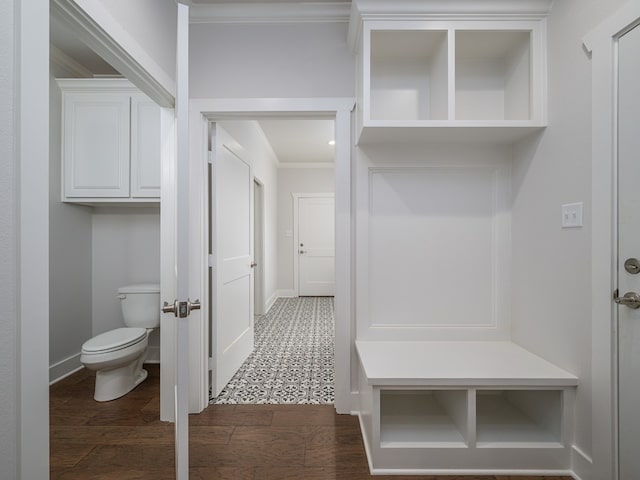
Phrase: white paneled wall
(433, 243)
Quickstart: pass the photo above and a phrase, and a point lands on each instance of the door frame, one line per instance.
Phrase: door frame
(258, 246)
(296, 239)
(603, 42)
(203, 111)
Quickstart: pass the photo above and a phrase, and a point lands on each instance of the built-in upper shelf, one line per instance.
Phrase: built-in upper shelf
(432, 70)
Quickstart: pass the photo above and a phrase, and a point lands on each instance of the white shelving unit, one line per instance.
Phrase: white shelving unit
(427, 67)
(463, 406)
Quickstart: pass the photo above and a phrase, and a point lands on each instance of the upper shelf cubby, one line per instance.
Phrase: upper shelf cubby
(409, 75)
(450, 70)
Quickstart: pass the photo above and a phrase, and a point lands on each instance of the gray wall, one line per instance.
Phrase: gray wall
(295, 180)
(286, 60)
(70, 257)
(9, 318)
(125, 250)
(551, 265)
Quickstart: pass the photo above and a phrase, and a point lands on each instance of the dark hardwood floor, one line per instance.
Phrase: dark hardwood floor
(125, 440)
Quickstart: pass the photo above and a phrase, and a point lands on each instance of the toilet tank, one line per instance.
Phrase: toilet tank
(140, 305)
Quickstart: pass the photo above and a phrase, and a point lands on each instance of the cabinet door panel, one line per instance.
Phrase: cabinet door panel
(145, 147)
(96, 145)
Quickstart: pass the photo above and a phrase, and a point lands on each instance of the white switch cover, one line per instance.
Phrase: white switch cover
(572, 215)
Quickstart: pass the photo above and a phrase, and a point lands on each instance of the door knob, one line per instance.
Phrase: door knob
(254, 265)
(181, 309)
(301, 252)
(629, 299)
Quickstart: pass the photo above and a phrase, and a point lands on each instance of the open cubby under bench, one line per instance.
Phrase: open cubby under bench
(463, 407)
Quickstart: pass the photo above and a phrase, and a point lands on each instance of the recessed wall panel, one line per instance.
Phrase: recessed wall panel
(432, 247)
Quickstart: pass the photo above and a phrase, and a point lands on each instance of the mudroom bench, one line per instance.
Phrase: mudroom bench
(463, 407)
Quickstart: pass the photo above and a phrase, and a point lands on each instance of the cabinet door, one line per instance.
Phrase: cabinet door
(96, 145)
(145, 147)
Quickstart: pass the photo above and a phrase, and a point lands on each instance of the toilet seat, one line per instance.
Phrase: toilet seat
(114, 340)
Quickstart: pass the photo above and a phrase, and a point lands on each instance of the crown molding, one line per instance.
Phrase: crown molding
(88, 31)
(277, 13)
(443, 10)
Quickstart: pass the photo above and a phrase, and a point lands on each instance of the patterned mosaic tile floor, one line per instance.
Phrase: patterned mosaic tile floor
(293, 358)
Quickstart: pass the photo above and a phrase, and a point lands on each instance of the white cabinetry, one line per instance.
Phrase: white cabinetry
(430, 407)
(111, 143)
(433, 70)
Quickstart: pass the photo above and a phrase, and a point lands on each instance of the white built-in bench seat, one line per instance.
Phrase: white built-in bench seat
(464, 364)
(463, 407)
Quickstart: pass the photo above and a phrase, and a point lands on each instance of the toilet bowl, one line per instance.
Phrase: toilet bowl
(117, 356)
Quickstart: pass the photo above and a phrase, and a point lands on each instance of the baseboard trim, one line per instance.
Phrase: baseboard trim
(64, 368)
(581, 464)
(276, 295)
(286, 293)
(463, 472)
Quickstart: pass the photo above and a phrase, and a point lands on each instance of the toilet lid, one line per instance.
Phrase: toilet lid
(114, 340)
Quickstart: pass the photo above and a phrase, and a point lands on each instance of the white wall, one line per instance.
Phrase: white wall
(551, 265)
(10, 318)
(295, 180)
(283, 60)
(126, 251)
(146, 29)
(24, 226)
(433, 221)
(249, 134)
(70, 257)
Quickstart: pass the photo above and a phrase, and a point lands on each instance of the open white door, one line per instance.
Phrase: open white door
(628, 253)
(174, 280)
(232, 257)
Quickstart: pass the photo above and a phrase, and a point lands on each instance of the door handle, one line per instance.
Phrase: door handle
(254, 265)
(181, 309)
(629, 299)
(302, 251)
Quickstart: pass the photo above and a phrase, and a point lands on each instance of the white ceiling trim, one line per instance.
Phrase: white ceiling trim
(271, 13)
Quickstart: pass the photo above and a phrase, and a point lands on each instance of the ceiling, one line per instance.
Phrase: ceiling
(84, 58)
(301, 142)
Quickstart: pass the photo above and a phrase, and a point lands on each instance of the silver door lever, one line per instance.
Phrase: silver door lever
(629, 299)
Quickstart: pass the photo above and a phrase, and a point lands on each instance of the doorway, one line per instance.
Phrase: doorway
(226, 115)
(258, 248)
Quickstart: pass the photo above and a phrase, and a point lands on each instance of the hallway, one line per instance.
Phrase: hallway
(293, 359)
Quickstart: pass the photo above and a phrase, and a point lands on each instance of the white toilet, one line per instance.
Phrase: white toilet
(117, 356)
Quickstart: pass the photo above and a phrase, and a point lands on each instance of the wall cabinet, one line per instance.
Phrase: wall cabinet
(433, 70)
(111, 143)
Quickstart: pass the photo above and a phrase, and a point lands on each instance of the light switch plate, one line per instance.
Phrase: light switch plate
(572, 215)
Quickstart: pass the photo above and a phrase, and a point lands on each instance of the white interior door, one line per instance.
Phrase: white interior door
(316, 246)
(232, 255)
(628, 249)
